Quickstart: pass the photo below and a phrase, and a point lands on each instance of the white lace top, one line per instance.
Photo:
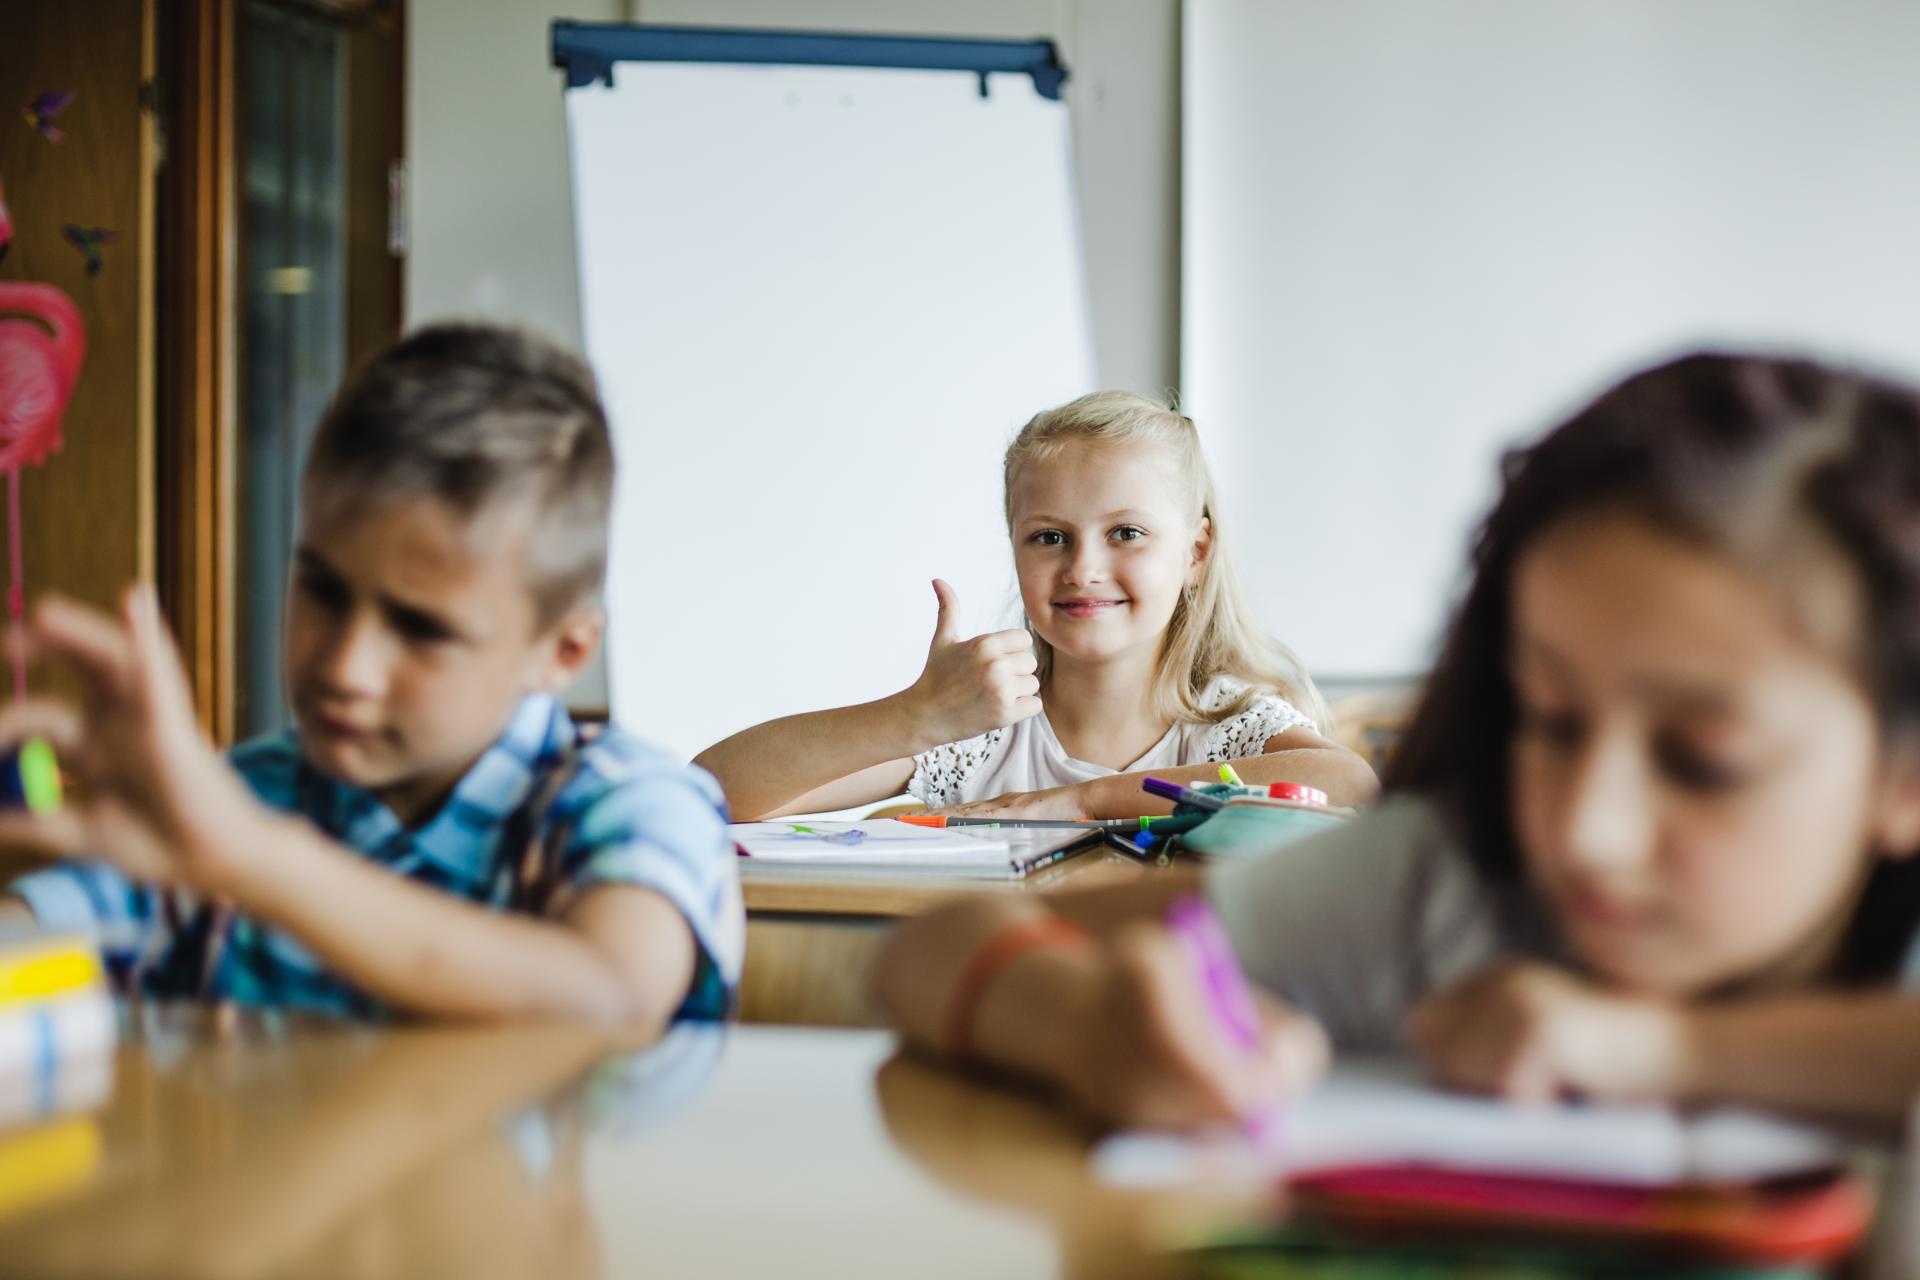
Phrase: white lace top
(1028, 757)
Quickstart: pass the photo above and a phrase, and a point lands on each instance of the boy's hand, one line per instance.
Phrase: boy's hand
(1053, 804)
(971, 686)
(1154, 1057)
(1533, 1033)
(153, 797)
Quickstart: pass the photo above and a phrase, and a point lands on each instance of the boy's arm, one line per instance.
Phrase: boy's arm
(165, 809)
(620, 955)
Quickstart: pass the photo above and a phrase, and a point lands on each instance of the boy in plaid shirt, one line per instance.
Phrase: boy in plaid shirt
(435, 837)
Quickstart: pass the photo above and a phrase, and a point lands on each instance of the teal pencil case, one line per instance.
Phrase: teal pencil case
(1252, 828)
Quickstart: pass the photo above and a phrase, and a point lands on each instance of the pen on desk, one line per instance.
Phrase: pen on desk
(1083, 824)
(1130, 846)
(1173, 824)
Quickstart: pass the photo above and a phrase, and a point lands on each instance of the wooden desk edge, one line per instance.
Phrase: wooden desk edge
(909, 895)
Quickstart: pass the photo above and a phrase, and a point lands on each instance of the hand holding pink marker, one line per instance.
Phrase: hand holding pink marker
(1200, 933)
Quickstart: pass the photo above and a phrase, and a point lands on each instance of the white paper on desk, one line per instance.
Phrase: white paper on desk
(1382, 1113)
(874, 840)
(886, 846)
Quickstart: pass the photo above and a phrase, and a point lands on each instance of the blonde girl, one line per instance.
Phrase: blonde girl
(1136, 655)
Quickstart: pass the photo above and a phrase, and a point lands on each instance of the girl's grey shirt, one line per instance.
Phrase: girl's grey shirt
(1357, 924)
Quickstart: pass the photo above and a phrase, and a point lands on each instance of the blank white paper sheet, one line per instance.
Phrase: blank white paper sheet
(820, 301)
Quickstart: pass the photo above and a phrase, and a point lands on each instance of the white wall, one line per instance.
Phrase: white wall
(491, 202)
(491, 206)
(1415, 233)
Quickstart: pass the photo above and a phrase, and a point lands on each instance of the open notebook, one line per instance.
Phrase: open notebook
(885, 847)
(1375, 1113)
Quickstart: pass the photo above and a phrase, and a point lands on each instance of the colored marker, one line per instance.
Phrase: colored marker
(1181, 795)
(1083, 824)
(1228, 776)
(1138, 845)
(942, 820)
(1210, 951)
(30, 777)
(1172, 825)
(1298, 792)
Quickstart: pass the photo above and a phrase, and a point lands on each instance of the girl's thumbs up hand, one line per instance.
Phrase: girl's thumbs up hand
(972, 685)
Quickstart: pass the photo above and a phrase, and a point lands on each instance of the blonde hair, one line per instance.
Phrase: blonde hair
(1211, 633)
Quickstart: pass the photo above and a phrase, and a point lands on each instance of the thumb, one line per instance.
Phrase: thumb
(946, 624)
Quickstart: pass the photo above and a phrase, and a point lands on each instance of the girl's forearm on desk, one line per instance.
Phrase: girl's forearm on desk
(767, 769)
(1340, 773)
(1113, 1020)
(1025, 1018)
(1028, 1020)
(622, 957)
(1848, 1055)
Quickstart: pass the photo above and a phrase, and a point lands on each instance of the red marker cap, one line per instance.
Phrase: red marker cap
(1299, 792)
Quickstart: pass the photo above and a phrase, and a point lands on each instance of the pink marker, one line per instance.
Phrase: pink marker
(1193, 923)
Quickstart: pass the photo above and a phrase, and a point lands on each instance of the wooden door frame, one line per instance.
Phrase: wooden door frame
(199, 360)
(199, 266)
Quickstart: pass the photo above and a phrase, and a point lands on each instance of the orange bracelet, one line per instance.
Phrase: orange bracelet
(1012, 941)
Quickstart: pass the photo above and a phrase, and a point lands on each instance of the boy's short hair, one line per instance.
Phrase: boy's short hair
(477, 415)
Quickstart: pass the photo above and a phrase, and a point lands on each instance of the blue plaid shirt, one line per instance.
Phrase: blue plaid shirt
(626, 814)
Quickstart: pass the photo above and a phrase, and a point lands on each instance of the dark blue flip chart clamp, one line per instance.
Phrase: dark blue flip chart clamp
(588, 52)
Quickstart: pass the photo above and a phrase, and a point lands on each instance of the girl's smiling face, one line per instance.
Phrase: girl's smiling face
(1698, 782)
(1103, 546)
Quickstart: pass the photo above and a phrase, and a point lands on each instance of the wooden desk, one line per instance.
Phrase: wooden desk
(810, 942)
(291, 1150)
(302, 1150)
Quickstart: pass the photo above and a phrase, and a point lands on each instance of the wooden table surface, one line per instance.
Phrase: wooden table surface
(291, 1149)
(810, 941)
(286, 1149)
(908, 895)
